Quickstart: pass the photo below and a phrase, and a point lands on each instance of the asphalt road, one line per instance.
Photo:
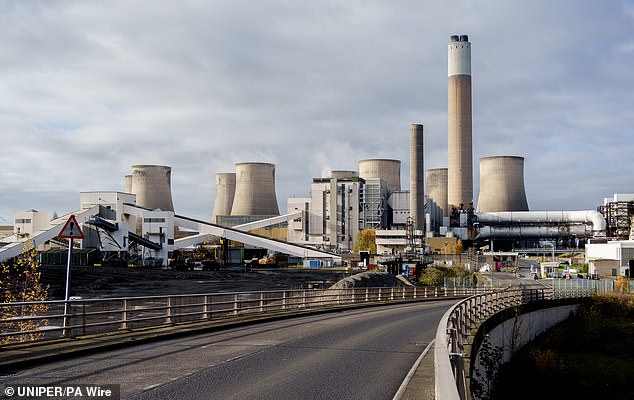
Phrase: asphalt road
(354, 354)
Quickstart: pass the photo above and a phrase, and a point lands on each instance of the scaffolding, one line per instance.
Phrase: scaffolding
(619, 218)
(374, 204)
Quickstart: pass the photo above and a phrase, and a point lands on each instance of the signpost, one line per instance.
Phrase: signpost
(70, 231)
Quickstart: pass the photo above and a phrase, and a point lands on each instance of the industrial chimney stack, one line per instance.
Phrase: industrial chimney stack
(416, 176)
(460, 162)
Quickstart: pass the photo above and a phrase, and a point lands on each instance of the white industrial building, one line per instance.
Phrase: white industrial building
(613, 258)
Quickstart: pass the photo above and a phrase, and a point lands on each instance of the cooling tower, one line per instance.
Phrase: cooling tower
(388, 170)
(152, 186)
(225, 191)
(255, 190)
(437, 188)
(502, 184)
(459, 151)
(340, 174)
(128, 183)
(416, 176)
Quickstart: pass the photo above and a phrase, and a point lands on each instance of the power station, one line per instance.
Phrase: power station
(326, 221)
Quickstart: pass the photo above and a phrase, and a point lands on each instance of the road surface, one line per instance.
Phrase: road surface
(354, 354)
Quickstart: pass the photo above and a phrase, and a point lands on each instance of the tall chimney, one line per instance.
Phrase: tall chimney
(416, 176)
(460, 148)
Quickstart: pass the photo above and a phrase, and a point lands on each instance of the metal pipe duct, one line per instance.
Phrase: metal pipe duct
(526, 232)
(544, 218)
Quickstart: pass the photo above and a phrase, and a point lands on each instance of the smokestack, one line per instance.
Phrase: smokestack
(460, 148)
(388, 170)
(255, 190)
(225, 191)
(152, 186)
(502, 184)
(416, 176)
(437, 188)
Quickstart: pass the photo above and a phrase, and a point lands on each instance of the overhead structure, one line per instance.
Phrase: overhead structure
(459, 138)
(436, 179)
(255, 190)
(416, 177)
(502, 184)
(386, 169)
(225, 192)
(152, 186)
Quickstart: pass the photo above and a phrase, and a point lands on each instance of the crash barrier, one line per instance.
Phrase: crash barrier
(457, 329)
(46, 320)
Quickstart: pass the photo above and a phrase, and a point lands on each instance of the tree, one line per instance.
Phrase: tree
(20, 282)
(459, 247)
(366, 241)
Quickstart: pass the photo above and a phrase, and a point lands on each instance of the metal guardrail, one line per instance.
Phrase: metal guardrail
(457, 327)
(46, 320)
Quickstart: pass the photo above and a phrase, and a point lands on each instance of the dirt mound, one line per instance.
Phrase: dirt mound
(369, 279)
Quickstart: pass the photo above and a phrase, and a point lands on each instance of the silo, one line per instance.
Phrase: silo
(502, 184)
(388, 170)
(459, 151)
(152, 186)
(416, 176)
(255, 190)
(128, 183)
(225, 191)
(437, 188)
(341, 174)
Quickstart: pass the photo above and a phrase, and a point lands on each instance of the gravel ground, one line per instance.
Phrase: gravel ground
(100, 282)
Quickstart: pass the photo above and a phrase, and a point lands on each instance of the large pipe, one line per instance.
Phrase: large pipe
(459, 140)
(532, 232)
(416, 176)
(544, 218)
(502, 184)
(225, 192)
(255, 190)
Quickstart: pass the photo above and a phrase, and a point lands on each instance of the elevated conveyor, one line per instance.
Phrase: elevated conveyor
(208, 228)
(15, 244)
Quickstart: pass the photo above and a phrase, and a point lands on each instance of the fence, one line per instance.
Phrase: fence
(36, 321)
(456, 331)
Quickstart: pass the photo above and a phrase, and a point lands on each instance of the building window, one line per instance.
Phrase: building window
(153, 219)
(23, 221)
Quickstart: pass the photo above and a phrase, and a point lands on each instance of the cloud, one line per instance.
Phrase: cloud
(91, 88)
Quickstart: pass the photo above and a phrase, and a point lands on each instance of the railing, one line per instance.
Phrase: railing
(37, 321)
(458, 326)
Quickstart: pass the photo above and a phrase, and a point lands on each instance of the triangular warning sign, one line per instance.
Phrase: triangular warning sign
(71, 230)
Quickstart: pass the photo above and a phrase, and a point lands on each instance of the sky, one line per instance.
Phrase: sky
(90, 88)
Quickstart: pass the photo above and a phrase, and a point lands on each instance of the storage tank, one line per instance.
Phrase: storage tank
(386, 169)
(416, 176)
(255, 190)
(437, 188)
(225, 191)
(152, 186)
(341, 174)
(502, 184)
(128, 183)
(459, 139)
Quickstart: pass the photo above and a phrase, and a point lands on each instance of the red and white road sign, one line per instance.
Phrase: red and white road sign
(71, 230)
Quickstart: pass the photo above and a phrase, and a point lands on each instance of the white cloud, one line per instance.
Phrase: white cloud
(90, 88)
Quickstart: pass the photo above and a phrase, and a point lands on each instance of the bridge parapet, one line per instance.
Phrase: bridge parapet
(457, 334)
